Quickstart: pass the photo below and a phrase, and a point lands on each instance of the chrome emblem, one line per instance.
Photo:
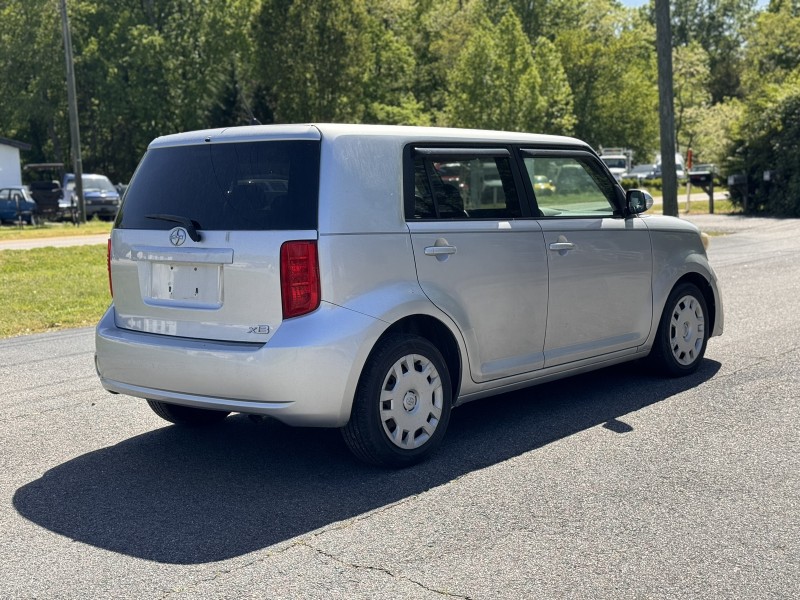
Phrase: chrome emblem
(177, 236)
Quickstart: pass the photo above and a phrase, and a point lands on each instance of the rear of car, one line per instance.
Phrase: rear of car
(212, 257)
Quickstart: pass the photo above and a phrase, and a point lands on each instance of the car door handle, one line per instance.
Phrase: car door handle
(439, 250)
(562, 246)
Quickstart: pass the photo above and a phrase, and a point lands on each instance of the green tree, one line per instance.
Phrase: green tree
(143, 68)
(559, 117)
(495, 83)
(313, 59)
(545, 18)
(713, 130)
(391, 74)
(773, 46)
(720, 27)
(609, 62)
(33, 105)
(691, 96)
(766, 138)
(444, 26)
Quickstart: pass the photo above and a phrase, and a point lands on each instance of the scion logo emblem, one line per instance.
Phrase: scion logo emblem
(177, 236)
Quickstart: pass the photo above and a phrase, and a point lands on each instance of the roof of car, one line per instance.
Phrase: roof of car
(406, 134)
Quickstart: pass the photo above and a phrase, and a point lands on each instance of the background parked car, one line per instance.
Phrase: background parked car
(17, 205)
(644, 173)
(100, 196)
(542, 185)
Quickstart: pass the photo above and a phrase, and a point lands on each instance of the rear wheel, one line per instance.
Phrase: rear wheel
(186, 415)
(682, 333)
(402, 404)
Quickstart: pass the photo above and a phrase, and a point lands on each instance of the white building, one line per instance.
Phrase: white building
(10, 168)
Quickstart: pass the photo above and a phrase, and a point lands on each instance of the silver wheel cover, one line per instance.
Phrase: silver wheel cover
(687, 330)
(411, 401)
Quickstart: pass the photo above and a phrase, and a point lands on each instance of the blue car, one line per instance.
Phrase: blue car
(17, 205)
(100, 196)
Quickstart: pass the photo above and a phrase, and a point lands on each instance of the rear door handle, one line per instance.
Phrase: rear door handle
(560, 246)
(439, 250)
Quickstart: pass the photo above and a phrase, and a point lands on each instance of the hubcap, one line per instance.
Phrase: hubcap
(411, 401)
(687, 330)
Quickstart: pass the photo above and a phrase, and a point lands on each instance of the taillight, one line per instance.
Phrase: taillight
(108, 264)
(300, 291)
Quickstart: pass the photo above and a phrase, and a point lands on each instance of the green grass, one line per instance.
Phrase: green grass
(46, 289)
(48, 230)
(700, 207)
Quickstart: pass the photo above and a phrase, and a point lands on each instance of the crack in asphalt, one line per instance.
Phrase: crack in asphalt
(382, 570)
(303, 543)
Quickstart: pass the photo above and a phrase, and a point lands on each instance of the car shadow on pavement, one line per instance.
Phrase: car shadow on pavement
(188, 496)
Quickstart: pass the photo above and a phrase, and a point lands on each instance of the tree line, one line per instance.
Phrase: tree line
(586, 68)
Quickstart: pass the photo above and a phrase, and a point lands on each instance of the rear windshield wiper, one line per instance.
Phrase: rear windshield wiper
(190, 225)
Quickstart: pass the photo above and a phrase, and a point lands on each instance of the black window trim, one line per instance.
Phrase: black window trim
(460, 152)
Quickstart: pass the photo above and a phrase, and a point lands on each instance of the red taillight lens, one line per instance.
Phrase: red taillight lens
(300, 292)
(108, 263)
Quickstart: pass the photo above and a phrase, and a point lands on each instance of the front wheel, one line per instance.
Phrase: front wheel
(186, 415)
(682, 332)
(402, 403)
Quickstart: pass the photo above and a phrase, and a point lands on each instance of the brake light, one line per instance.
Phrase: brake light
(108, 264)
(300, 293)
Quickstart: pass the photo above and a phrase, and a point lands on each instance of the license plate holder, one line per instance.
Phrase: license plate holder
(182, 283)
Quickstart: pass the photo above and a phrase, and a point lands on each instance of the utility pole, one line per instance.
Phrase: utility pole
(72, 101)
(666, 111)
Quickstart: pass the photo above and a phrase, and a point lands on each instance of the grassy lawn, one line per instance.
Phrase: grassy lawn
(700, 207)
(47, 230)
(46, 289)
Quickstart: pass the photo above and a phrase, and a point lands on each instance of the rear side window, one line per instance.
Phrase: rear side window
(457, 187)
(235, 186)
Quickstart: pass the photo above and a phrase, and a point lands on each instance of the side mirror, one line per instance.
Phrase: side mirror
(638, 201)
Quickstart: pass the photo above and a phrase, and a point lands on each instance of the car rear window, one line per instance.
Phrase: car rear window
(231, 186)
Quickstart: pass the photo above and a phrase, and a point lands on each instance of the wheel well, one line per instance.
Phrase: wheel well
(440, 336)
(703, 285)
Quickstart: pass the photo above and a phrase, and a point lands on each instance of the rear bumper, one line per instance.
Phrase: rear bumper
(305, 375)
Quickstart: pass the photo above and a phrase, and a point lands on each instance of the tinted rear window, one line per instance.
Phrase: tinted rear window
(237, 186)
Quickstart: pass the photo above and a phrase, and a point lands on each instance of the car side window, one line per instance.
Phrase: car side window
(464, 187)
(569, 186)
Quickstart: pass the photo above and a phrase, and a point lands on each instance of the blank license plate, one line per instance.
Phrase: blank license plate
(188, 283)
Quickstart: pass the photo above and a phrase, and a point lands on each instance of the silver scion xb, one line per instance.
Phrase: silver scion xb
(372, 278)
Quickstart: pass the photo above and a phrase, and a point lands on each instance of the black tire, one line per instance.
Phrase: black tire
(411, 421)
(187, 415)
(678, 348)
